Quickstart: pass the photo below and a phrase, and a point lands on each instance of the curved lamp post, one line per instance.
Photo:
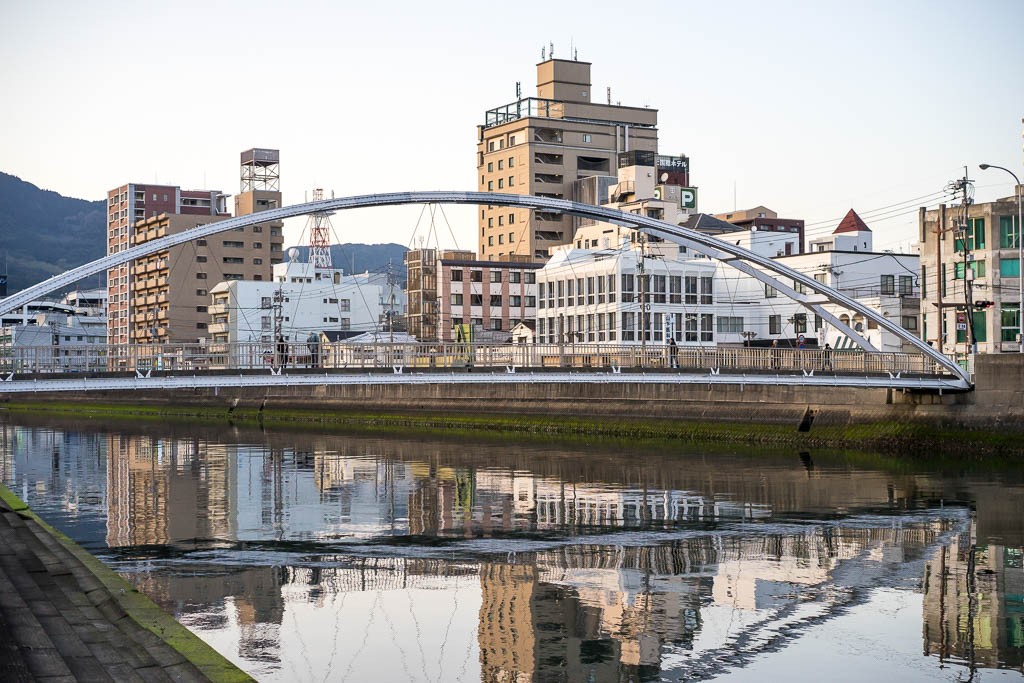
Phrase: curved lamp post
(1020, 253)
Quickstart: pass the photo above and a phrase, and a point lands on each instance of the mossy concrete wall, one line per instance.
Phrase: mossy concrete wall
(998, 400)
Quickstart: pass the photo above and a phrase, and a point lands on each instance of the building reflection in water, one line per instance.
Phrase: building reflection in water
(584, 573)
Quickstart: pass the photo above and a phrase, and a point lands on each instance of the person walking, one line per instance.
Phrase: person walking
(673, 353)
(313, 343)
(775, 354)
(826, 358)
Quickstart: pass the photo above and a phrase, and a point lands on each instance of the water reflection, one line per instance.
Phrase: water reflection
(313, 557)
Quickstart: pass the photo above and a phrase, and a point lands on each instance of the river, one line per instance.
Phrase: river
(305, 556)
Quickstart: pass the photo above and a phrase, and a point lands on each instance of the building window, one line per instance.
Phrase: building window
(456, 299)
(888, 284)
(200, 259)
(495, 276)
(515, 300)
(706, 290)
(707, 327)
(511, 160)
(587, 137)
(800, 323)
(977, 267)
(345, 305)
(515, 277)
(201, 309)
(1009, 267)
(501, 183)
(257, 262)
(909, 322)
(975, 236)
(1010, 323)
(456, 275)
(510, 183)
(476, 276)
(906, 284)
(476, 299)
(233, 276)
(490, 241)
(496, 324)
(200, 276)
(530, 278)
(690, 288)
(490, 222)
(490, 185)
(1009, 232)
(234, 259)
(770, 292)
(231, 244)
(730, 324)
(775, 324)
(201, 292)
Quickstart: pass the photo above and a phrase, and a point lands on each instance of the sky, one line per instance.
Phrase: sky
(808, 108)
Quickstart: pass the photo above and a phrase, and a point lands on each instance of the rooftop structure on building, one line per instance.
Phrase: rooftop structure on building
(763, 219)
(542, 146)
(852, 234)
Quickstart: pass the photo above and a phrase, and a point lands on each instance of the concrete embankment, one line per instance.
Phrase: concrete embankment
(65, 616)
(834, 415)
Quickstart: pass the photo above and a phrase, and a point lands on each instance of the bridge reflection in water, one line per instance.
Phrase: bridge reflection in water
(305, 556)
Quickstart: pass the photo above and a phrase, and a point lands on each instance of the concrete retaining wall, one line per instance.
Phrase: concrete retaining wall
(998, 400)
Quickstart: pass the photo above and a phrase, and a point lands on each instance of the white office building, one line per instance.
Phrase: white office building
(311, 301)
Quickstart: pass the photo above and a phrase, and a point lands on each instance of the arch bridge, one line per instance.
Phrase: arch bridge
(933, 371)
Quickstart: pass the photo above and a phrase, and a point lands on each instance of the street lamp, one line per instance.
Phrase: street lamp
(1020, 253)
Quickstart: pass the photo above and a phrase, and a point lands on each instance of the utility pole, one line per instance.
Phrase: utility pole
(391, 304)
(645, 306)
(278, 305)
(962, 186)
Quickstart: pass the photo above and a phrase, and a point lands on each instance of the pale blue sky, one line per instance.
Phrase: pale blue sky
(810, 108)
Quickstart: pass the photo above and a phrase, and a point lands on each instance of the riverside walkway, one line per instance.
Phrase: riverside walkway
(61, 620)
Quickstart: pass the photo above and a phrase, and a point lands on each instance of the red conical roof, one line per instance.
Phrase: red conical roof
(851, 223)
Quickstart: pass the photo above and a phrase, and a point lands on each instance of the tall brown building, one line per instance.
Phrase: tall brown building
(541, 146)
(127, 205)
(164, 297)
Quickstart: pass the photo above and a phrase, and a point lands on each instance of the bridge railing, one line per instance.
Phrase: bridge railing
(191, 358)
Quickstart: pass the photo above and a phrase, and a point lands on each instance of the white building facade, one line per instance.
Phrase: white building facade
(311, 301)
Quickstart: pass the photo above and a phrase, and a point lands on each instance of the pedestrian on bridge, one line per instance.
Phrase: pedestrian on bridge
(673, 353)
(826, 358)
(313, 342)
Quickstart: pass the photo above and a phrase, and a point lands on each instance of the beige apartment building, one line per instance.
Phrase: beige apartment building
(127, 205)
(542, 146)
(970, 277)
(168, 292)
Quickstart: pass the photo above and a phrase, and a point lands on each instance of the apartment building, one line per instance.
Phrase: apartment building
(133, 202)
(489, 295)
(542, 146)
(970, 277)
(167, 294)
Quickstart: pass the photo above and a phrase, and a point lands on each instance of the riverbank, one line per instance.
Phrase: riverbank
(66, 615)
(801, 430)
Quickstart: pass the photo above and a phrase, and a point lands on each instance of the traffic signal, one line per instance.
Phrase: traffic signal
(983, 304)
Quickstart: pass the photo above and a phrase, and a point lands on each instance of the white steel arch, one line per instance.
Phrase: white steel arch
(759, 267)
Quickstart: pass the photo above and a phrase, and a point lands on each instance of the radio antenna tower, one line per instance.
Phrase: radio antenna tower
(319, 227)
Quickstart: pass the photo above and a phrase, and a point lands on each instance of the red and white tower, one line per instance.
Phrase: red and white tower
(320, 236)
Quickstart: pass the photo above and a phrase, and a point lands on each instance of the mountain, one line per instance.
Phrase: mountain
(359, 258)
(43, 233)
